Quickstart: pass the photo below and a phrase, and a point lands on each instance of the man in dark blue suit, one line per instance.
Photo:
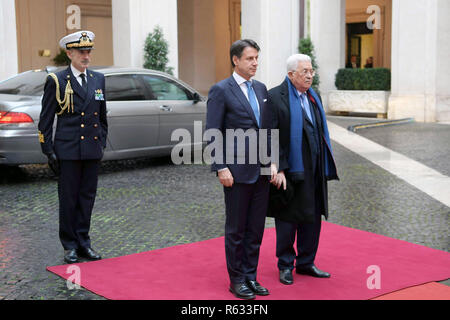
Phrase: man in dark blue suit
(238, 104)
(77, 96)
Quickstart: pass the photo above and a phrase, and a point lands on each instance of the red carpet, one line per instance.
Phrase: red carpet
(428, 291)
(197, 271)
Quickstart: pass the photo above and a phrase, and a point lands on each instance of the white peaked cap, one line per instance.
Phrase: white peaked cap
(78, 40)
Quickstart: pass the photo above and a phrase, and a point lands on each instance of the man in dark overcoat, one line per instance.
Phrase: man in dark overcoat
(306, 164)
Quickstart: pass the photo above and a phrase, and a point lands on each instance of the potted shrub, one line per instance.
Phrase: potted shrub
(156, 49)
(306, 47)
(361, 90)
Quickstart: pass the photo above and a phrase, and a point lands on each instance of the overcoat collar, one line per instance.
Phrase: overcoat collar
(284, 93)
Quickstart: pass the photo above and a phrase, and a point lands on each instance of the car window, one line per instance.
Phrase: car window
(124, 88)
(165, 88)
(30, 83)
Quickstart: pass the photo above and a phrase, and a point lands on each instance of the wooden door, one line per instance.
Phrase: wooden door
(42, 23)
(96, 16)
(235, 20)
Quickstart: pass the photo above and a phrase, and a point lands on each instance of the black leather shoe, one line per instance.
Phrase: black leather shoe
(89, 253)
(286, 277)
(313, 272)
(257, 288)
(70, 256)
(241, 291)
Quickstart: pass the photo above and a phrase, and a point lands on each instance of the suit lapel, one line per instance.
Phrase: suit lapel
(241, 97)
(316, 114)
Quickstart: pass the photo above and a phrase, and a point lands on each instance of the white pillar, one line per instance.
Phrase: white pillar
(328, 37)
(420, 63)
(274, 25)
(133, 20)
(9, 64)
(443, 62)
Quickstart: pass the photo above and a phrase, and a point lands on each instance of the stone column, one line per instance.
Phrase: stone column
(9, 64)
(443, 62)
(420, 60)
(328, 36)
(133, 20)
(274, 25)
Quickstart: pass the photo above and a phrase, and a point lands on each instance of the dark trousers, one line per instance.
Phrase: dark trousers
(77, 189)
(246, 209)
(308, 235)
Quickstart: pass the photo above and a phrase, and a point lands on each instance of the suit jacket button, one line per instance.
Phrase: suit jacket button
(82, 125)
(82, 137)
(95, 138)
(95, 125)
(82, 114)
(95, 113)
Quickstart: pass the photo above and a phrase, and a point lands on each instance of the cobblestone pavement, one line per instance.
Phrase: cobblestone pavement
(147, 204)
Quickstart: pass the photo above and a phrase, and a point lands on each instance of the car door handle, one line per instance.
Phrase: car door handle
(165, 108)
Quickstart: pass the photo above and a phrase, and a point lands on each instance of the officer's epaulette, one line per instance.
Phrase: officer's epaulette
(67, 103)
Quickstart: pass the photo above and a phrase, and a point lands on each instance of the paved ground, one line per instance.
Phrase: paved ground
(148, 204)
(427, 143)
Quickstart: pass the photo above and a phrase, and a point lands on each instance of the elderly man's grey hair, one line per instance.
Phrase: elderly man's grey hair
(295, 59)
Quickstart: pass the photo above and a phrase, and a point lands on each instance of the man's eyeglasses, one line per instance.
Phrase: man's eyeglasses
(304, 72)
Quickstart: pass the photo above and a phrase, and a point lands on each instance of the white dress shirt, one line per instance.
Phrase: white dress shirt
(242, 84)
(77, 73)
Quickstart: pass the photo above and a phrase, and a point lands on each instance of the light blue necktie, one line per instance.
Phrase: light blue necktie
(306, 107)
(252, 100)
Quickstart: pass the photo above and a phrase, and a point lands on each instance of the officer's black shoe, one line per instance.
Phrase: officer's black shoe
(70, 256)
(89, 253)
(313, 272)
(241, 291)
(286, 277)
(257, 288)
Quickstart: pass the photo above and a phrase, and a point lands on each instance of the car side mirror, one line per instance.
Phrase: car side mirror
(196, 97)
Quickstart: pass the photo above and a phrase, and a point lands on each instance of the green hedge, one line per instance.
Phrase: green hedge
(364, 79)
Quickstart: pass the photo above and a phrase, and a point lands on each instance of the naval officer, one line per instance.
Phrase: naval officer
(77, 96)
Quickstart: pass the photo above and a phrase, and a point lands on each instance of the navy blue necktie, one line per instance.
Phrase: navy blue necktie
(252, 100)
(83, 82)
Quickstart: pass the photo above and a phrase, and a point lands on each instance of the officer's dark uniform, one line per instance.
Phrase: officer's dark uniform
(79, 143)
